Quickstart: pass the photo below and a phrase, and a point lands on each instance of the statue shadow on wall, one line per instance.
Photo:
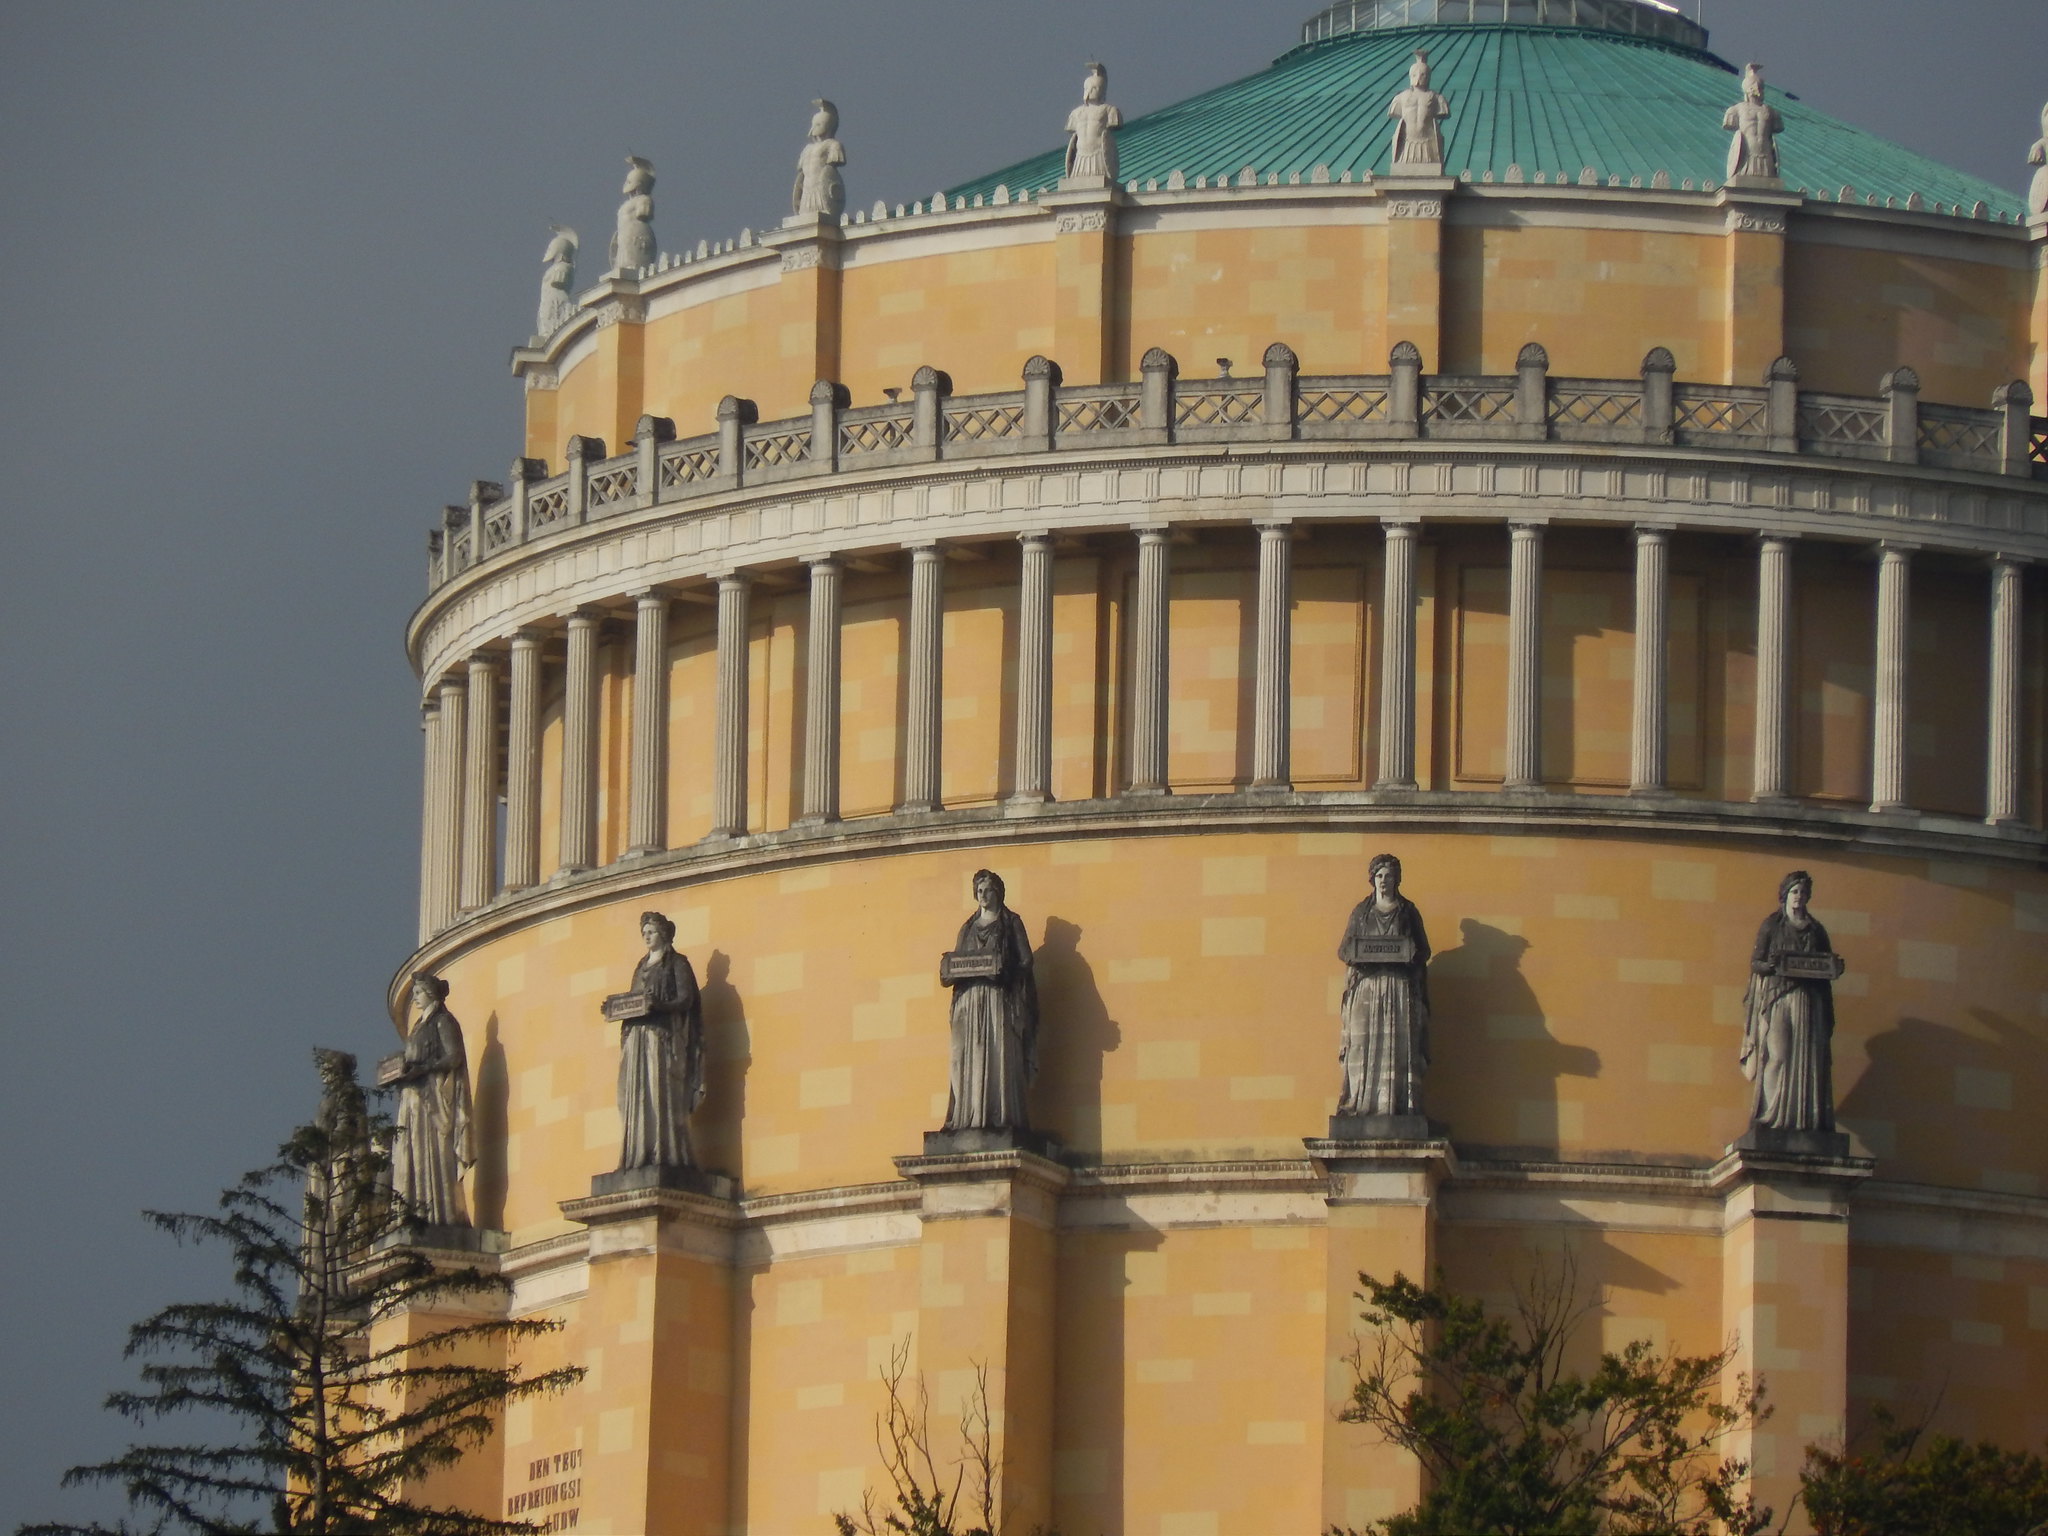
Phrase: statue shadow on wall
(1602, 1279)
(1495, 1065)
(488, 1118)
(1929, 1086)
(1075, 1033)
(728, 1056)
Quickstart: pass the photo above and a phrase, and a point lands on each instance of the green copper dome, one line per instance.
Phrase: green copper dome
(1552, 101)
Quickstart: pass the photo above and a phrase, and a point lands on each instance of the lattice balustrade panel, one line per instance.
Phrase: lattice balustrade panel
(1592, 408)
(1720, 414)
(689, 467)
(772, 449)
(1105, 415)
(497, 529)
(458, 553)
(1974, 436)
(1341, 405)
(547, 509)
(1218, 407)
(875, 435)
(613, 485)
(1468, 407)
(984, 423)
(1848, 425)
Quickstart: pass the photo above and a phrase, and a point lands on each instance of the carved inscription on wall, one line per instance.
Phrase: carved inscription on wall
(556, 1486)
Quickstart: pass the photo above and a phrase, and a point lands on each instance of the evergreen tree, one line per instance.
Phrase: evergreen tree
(328, 1431)
(1513, 1443)
(1947, 1487)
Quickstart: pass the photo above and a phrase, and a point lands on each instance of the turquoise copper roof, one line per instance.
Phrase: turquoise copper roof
(1550, 100)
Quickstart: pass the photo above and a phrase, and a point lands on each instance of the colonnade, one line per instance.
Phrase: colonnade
(461, 866)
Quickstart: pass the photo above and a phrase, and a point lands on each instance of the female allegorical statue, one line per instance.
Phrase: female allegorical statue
(1386, 999)
(661, 1052)
(1789, 1016)
(995, 1014)
(432, 1147)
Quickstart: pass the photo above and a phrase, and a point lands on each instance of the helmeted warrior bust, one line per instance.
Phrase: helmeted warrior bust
(633, 244)
(1091, 129)
(820, 188)
(557, 308)
(1418, 145)
(1756, 126)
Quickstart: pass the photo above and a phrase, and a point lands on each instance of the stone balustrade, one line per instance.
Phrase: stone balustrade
(1277, 405)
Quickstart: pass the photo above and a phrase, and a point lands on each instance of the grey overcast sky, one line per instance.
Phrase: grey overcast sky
(267, 262)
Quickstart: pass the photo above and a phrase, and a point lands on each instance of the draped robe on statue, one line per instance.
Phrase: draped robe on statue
(1788, 1032)
(1386, 1015)
(661, 1066)
(432, 1148)
(995, 1029)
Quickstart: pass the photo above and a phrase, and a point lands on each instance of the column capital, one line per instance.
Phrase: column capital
(1283, 525)
(2005, 557)
(734, 579)
(1903, 548)
(1153, 533)
(1780, 536)
(528, 634)
(1407, 526)
(1523, 526)
(649, 597)
(1036, 536)
(1649, 530)
(825, 563)
(588, 614)
(928, 549)
(451, 684)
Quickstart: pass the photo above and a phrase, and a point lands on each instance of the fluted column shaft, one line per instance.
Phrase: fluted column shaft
(1272, 701)
(579, 744)
(522, 765)
(729, 749)
(1148, 671)
(480, 787)
(2002, 787)
(1524, 767)
(923, 702)
(821, 695)
(1888, 735)
(1034, 670)
(1773, 669)
(450, 695)
(1648, 764)
(647, 805)
(430, 778)
(1397, 659)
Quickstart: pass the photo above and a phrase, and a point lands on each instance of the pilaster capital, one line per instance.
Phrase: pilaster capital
(528, 636)
(1653, 532)
(1153, 533)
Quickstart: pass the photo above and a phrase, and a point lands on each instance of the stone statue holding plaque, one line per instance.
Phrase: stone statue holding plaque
(820, 187)
(1788, 1028)
(994, 1015)
(1418, 145)
(342, 1206)
(1753, 153)
(661, 1052)
(633, 241)
(1385, 1041)
(431, 1147)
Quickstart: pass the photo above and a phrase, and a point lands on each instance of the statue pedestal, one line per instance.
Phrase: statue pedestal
(433, 1238)
(694, 1181)
(1381, 1194)
(1383, 1128)
(659, 1313)
(1830, 1146)
(988, 1291)
(1785, 1298)
(1007, 1138)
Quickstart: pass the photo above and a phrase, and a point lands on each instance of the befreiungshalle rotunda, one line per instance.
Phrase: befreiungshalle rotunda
(997, 634)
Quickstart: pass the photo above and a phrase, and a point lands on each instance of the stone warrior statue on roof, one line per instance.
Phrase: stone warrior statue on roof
(557, 308)
(2037, 193)
(633, 244)
(1418, 146)
(1756, 126)
(1091, 129)
(819, 186)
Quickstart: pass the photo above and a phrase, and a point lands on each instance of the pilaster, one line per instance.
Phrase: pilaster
(647, 804)
(923, 702)
(1034, 671)
(1648, 772)
(1382, 1221)
(809, 245)
(658, 1314)
(1753, 317)
(1525, 657)
(1086, 285)
(987, 1256)
(821, 695)
(1414, 300)
(1148, 664)
(2002, 792)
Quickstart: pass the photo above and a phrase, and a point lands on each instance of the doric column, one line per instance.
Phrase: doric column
(480, 786)
(729, 749)
(923, 705)
(1034, 670)
(647, 809)
(2002, 788)
(522, 765)
(579, 745)
(1271, 701)
(451, 694)
(1148, 670)
(1397, 659)
(1648, 770)
(1773, 669)
(821, 696)
(1888, 736)
(1525, 657)
(430, 778)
